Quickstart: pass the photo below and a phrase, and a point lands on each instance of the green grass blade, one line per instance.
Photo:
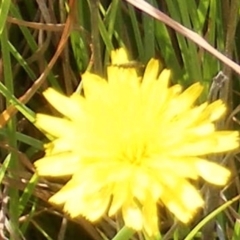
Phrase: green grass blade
(136, 31)
(4, 8)
(149, 36)
(11, 127)
(27, 193)
(29, 114)
(209, 217)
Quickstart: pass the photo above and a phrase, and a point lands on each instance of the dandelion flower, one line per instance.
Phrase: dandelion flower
(131, 143)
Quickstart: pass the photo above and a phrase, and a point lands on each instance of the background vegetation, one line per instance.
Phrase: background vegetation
(51, 43)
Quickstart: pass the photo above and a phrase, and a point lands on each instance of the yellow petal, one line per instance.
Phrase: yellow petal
(119, 56)
(152, 100)
(90, 206)
(57, 127)
(190, 95)
(151, 72)
(122, 80)
(120, 195)
(59, 145)
(73, 189)
(94, 86)
(63, 104)
(212, 172)
(182, 199)
(225, 141)
(165, 77)
(132, 216)
(183, 167)
(57, 165)
(150, 217)
(203, 146)
(186, 99)
(216, 110)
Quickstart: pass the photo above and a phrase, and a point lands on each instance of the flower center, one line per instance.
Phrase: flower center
(135, 153)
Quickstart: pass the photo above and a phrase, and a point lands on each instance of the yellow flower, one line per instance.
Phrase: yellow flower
(131, 143)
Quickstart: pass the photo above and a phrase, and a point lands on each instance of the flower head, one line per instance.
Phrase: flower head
(132, 142)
